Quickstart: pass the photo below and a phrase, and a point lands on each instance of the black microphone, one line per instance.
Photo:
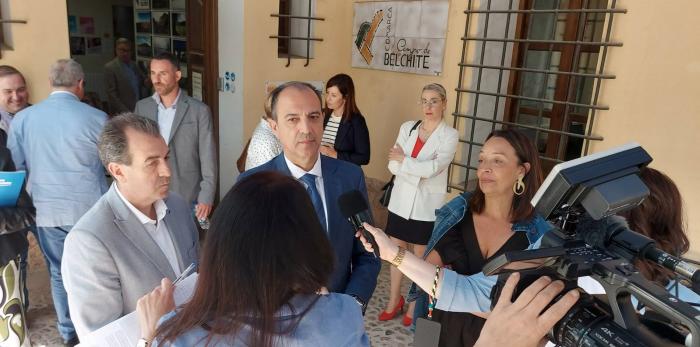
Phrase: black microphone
(354, 207)
(613, 233)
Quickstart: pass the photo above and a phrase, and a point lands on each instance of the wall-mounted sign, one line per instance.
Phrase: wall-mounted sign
(404, 36)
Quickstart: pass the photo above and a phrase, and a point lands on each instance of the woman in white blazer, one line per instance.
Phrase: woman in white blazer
(419, 159)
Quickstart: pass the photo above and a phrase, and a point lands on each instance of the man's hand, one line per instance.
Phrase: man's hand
(519, 323)
(154, 305)
(202, 211)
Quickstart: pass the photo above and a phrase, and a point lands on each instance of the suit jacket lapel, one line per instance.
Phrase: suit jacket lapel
(175, 227)
(332, 190)
(132, 228)
(180, 111)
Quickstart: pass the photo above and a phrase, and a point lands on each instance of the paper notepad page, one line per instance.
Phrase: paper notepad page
(125, 331)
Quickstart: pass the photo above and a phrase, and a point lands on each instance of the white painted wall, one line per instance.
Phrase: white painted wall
(231, 139)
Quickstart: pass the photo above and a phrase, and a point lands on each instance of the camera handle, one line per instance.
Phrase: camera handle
(621, 280)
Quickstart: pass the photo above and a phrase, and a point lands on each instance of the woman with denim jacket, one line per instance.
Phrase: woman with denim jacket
(497, 217)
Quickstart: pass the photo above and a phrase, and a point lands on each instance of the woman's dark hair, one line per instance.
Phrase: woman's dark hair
(521, 209)
(347, 88)
(265, 246)
(660, 217)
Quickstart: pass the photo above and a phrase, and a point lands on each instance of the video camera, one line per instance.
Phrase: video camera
(580, 198)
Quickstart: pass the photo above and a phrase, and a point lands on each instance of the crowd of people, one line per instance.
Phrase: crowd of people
(117, 203)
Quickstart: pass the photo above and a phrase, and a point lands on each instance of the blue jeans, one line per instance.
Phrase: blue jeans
(51, 242)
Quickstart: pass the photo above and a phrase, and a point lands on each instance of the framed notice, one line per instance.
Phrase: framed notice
(402, 36)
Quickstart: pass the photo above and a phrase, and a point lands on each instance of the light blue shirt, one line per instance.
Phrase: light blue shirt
(166, 116)
(334, 320)
(56, 142)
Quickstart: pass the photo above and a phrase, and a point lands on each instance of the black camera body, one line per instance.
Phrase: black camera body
(580, 198)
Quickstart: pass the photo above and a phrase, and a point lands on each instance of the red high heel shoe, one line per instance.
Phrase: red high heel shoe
(407, 320)
(384, 316)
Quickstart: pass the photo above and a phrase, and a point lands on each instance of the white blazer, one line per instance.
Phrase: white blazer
(421, 183)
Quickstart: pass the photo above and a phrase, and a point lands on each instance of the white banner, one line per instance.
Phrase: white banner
(404, 36)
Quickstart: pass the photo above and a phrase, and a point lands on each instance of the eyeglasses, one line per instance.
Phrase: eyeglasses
(429, 103)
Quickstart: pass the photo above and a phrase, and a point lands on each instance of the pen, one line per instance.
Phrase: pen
(188, 271)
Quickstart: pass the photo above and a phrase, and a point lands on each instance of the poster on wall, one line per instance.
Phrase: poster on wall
(144, 46)
(77, 45)
(179, 22)
(87, 25)
(161, 23)
(143, 22)
(161, 45)
(72, 25)
(402, 36)
(94, 45)
(142, 4)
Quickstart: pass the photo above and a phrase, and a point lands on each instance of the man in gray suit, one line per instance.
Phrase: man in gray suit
(186, 126)
(56, 142)
(134, 236)
(123, 80)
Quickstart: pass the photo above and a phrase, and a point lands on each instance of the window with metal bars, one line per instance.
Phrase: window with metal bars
(294, 30)
(536, 65)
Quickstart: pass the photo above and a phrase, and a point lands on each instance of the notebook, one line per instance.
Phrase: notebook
(10, 185)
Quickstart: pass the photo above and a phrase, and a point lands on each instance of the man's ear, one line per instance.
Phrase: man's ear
(116, 171)
(178, 75)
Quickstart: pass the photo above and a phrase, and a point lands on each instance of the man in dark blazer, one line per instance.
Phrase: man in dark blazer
(298, 122)
(186, 125)
(124, 81)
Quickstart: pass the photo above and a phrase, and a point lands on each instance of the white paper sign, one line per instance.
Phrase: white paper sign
(197, 85)
(404, 36)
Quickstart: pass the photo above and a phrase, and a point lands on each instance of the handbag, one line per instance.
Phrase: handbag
(386, 190)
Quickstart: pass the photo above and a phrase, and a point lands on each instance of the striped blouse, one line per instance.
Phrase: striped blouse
(331, 130)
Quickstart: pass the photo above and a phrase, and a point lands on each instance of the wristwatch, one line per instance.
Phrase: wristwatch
(360, 302)
(143, 343)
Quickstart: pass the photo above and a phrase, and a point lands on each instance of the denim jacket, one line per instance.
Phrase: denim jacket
(466, 293)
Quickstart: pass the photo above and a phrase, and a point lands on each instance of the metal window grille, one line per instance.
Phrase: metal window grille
(536, 65)
(285, 36)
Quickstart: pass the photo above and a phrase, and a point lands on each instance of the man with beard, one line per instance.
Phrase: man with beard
(134, 236)
(186, 126)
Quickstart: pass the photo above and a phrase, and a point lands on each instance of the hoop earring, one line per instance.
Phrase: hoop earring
(519, 186)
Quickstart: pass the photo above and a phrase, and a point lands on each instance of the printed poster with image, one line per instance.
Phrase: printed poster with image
(402, 36)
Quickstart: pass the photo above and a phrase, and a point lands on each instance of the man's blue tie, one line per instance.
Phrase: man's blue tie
(310, 181)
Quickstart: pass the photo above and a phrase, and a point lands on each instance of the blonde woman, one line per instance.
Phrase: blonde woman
(419, 159)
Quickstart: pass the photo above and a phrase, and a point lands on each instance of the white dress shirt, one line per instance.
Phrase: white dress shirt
(157, 229)
(166, 115)
(297, 172)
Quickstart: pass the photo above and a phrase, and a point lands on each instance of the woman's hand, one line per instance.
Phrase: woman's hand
(154, 305)
(396, 153)
(329, 151)
(387, 248)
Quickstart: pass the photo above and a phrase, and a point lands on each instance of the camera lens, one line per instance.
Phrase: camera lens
(590, 324)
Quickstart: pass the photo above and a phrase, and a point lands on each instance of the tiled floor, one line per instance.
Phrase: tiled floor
(42, 318)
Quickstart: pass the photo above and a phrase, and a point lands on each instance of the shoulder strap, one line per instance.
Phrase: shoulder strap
(415, 125)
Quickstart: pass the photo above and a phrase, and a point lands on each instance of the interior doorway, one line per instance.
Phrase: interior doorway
(186, 28)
